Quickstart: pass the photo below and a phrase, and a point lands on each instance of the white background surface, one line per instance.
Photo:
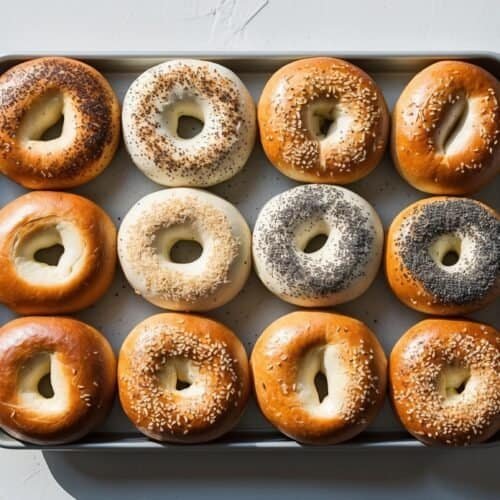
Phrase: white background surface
(250, 25)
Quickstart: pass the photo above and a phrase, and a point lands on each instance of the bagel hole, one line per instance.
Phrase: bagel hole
(446, 250)
(189, 127)
(321, 384)
(450, 258)
(324, 124)
(45, 387)
(316, 243)
(53, 132)
(44, 120)
(185, 251)
(50, 256)
(322, 118)
(454, 380)
(453, 123)
(180, 385)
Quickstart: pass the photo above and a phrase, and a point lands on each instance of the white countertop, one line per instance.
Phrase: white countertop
(131, 25)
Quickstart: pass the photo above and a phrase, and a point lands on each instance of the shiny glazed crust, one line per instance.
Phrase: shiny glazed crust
(415, 364)
(421, 117)
(87, 365)
(90, 105)
(276, 361)
(221, 383)
(284, 117)
(35, 211)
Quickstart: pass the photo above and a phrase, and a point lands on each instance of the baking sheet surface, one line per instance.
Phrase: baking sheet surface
(122, 184)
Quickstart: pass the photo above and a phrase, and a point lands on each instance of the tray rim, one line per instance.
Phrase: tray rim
(243, 441)
(239, 440)
(247, 55)
(254, 53)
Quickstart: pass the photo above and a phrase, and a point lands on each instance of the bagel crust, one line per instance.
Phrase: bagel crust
(169, 348)
(85, 270)
(445, 381)
(82, 370)
(290, 353)
(446, 129)
(33, 96)
(323, 120)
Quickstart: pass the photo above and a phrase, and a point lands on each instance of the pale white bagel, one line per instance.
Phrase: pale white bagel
(342, 269)
(211, 93)
(158, 221)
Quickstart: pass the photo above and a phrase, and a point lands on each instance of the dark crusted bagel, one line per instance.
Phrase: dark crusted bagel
(33, 97)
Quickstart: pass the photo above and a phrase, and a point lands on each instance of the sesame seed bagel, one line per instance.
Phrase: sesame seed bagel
(323, 120)
(206, 91)
(443, 255)
(82, 369)
(39, 221)
(342, 269)
(183, 378)
(34, 95)
(288, 357)
(446, 128)
(445, 381)
(157, 222)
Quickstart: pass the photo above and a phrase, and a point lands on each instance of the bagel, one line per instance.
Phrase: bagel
(183, 378)
(42, 220)
(323, 120)
(160, 220)
(446, 129)
(34, 96)
(289, 355)
(158, 99)
(445, 381)
(82, 370)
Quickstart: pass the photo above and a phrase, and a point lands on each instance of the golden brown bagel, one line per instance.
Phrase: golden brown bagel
(446, 129)
(445, 381)
(323, 120)
(82, 372)
(167, 352)
(33, 97)
(421, 240)
(289, 355)
(40, 220)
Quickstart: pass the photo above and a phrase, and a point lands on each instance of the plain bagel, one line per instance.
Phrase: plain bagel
(287, 359)
(81, 367)
(44, 219)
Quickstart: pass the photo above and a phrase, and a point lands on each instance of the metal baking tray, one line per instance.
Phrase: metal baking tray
(122, 184)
